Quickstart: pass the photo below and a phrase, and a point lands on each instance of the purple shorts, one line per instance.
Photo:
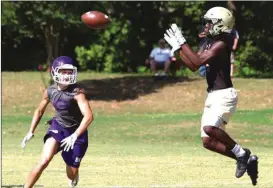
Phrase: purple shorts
(72, 157)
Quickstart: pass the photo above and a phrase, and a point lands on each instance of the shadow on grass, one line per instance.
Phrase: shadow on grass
(127, 87)
(259, 75)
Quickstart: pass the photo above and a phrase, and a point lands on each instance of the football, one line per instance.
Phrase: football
(96, 19)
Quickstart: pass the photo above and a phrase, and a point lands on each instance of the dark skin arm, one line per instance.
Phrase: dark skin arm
(193, 61)
(188, 62)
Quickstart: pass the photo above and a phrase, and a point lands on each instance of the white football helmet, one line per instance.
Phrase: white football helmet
(221, 19)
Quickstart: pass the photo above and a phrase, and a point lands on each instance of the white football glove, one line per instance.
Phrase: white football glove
(27, 138)
(178, 34)
(174, 37)
(69, 142)
(171, 39)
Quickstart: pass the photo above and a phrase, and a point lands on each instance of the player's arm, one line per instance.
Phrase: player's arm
(205, 57)
(187, 62)
(193, 61)
(38, 114)
(86, 112)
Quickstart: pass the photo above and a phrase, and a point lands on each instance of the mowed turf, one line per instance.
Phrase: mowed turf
(145, 133)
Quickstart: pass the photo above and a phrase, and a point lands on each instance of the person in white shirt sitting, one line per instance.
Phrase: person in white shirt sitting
(161, 58)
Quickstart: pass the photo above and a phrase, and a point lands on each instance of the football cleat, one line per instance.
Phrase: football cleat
(242, 163)
(252, 169)
(73, 183)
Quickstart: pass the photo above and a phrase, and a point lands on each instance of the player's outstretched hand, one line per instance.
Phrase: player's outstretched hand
(174, 37)
(178, 34)
(170, 38)
(69, 142)
(27, 138)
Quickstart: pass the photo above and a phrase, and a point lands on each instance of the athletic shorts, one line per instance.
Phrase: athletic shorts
(219, 107)
(72, 157)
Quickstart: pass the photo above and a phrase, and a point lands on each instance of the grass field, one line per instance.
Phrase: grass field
(145, 133)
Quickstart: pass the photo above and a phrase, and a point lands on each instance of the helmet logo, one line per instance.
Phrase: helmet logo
(60, 63)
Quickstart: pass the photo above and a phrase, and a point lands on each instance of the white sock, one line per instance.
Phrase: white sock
(156, 74)
(163, 74)
(238, 151)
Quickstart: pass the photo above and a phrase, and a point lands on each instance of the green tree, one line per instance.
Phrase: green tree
(48, 29)
(46, 20)
(136, 27)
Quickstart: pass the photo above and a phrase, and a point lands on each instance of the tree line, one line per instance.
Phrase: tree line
(35, 32)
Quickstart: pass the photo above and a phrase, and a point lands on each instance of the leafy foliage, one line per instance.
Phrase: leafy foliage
(39, 31)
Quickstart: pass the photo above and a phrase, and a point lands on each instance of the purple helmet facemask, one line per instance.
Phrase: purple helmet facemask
(64, 62)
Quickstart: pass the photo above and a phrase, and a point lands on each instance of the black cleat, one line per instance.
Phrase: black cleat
(252, 169)
(242, 163)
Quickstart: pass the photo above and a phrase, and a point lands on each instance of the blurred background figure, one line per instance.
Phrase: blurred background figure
(235, 35)
(202, 36)
(160, 58)
(203, 42)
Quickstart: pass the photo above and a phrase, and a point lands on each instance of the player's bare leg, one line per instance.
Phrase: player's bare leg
(73, 175)
(72, 172)
(242, 155)
(217, 146)
(220, 135)
(167, 65)
(49, 150)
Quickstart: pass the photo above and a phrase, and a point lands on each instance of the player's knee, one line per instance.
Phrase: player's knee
(44, 163)
(206, 143)
(208, 130)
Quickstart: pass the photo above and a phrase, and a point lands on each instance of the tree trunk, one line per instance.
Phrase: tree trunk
(52, 34)
(49, 48)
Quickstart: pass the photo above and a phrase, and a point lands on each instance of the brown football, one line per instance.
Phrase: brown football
(96, 19)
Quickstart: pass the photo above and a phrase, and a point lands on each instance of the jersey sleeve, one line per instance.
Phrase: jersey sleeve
(49, 92)
(81, 88)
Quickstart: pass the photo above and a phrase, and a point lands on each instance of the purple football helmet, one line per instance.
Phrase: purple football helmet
(64, 62)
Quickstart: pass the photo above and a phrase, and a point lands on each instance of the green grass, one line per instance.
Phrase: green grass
(151, 145)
